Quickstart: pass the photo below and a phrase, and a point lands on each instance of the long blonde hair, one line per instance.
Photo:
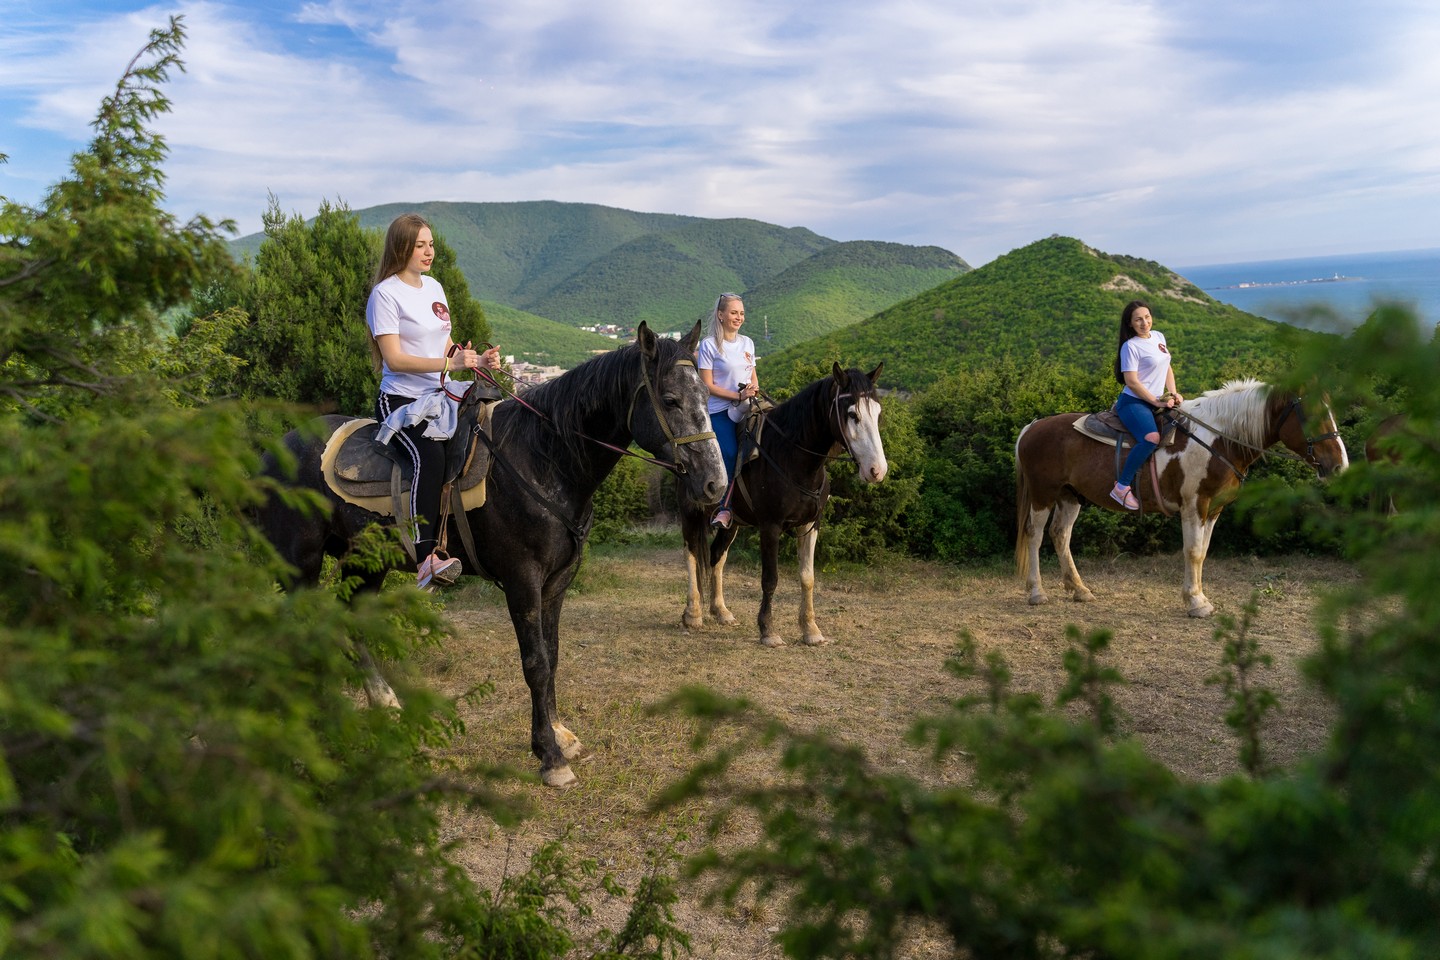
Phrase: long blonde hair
(400, 239)
(717, 326)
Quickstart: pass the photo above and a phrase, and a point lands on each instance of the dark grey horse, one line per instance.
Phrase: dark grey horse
(552, 451)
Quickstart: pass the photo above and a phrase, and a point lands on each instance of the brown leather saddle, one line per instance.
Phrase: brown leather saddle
(377, 477)
(1107, 427)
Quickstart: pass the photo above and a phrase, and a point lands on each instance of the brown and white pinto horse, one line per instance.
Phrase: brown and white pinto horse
(1056, 467)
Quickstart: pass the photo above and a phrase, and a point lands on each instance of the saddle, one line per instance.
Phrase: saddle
(1108, 428)
(377, 477)
(751, 428)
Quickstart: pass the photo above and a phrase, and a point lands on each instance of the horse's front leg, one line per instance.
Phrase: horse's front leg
(570, 745)
(526, 614)
(719, 551)
(695, 554)
(1027, 552)
(769, 577)
(1196, 530)
(805, 551)
(1066, 510)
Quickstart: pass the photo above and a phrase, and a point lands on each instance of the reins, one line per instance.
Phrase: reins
(1184, 415)
(646, 384)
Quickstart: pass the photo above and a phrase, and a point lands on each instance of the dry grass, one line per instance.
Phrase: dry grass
(623, 649)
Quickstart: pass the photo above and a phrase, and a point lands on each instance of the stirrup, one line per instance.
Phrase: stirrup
(722, 518)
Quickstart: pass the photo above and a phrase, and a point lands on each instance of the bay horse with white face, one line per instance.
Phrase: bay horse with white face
(1225, 431)
(784, 488)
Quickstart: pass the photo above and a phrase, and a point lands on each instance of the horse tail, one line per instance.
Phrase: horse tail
(1022, 513)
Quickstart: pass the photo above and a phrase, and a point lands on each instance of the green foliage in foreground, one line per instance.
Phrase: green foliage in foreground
(1068, 840)
(185, 767)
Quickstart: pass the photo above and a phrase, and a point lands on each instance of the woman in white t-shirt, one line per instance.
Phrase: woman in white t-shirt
(409, 321)
(1142, 364)
(726, 361)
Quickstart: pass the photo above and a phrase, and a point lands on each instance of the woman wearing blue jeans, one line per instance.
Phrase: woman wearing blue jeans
(1142, 364)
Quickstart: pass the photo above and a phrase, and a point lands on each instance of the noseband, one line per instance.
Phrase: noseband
(648, 385)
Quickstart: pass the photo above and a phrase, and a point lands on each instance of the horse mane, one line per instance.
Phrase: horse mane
(1238, 409)
(805, 412)
(572, 400)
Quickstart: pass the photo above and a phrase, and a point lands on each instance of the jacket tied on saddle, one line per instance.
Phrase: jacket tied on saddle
(362, 465)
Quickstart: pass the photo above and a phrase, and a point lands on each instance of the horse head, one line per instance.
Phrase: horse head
(1311, 434)
(674, 424)
(857, 416)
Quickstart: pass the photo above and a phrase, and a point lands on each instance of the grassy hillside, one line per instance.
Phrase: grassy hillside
(1056, 300)
(670, 279)
(538, 340)
(841, 285)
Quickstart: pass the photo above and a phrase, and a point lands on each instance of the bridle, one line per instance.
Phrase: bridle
(1294, 407)
(647, 384)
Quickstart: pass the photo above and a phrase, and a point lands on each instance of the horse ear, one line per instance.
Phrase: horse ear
(646, 338)
(693, 340)
(841, 377)
(875, 374)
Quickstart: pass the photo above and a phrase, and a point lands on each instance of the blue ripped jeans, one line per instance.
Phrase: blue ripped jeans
(1139, 418)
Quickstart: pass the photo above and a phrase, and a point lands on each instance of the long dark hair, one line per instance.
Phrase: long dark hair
(1126, 332)
(394, 255)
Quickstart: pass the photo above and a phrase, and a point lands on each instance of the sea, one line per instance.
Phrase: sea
(1333, 293)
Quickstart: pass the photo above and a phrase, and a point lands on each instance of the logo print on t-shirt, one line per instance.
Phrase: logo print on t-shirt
(441, 311)
(1162, 348)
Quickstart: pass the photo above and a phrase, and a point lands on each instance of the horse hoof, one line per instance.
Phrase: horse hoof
(772, 642)
(560, 778)
(817, 641)
(1204, 610)
(1083, 596)
(692, 622)
(726, 618)
(577, 752)
(1038, 598)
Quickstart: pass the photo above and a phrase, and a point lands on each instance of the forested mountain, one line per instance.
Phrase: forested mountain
(1057, 300)
(581, 264)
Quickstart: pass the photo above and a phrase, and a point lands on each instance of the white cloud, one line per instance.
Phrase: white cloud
(1164, 129)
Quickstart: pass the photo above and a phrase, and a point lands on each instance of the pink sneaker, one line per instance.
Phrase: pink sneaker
(442, 571)
(1125, 497)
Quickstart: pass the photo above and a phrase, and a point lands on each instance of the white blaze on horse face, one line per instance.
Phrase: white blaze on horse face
(863, 436)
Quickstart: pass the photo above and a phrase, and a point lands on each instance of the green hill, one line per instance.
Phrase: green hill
(532, 338)
(581, 264)
(841, 285)
(1056, 300)
(669, 279)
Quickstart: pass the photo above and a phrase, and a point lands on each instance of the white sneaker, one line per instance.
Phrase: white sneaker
(443, 572)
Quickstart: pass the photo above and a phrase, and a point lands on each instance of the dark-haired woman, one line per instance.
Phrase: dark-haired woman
(409, 320)
(1142, 364)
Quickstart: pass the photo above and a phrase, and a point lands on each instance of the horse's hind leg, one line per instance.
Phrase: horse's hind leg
(529, 617)
(805, 550)
(1196, 532)
(769, 578)
(1066, 510)
(1032, 532)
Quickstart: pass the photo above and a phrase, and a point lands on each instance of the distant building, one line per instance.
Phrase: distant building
(525, 372)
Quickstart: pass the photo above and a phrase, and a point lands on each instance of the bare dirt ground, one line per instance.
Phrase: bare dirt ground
(623, 649)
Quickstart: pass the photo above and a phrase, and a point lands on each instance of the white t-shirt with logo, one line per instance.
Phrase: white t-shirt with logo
(421, 318)
(729, 366)
(1149, 358)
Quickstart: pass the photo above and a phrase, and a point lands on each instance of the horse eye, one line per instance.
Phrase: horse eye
(671, 401)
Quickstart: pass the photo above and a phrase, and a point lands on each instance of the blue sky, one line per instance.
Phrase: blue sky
(1182, 131)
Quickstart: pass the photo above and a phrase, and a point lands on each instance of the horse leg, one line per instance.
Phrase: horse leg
(1027, 551)
(1066, 510)
(526, 614)
(570, 745)
(719, 551)
(1196, 530)
(805, 551)
(696, 553)
(769, 577)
